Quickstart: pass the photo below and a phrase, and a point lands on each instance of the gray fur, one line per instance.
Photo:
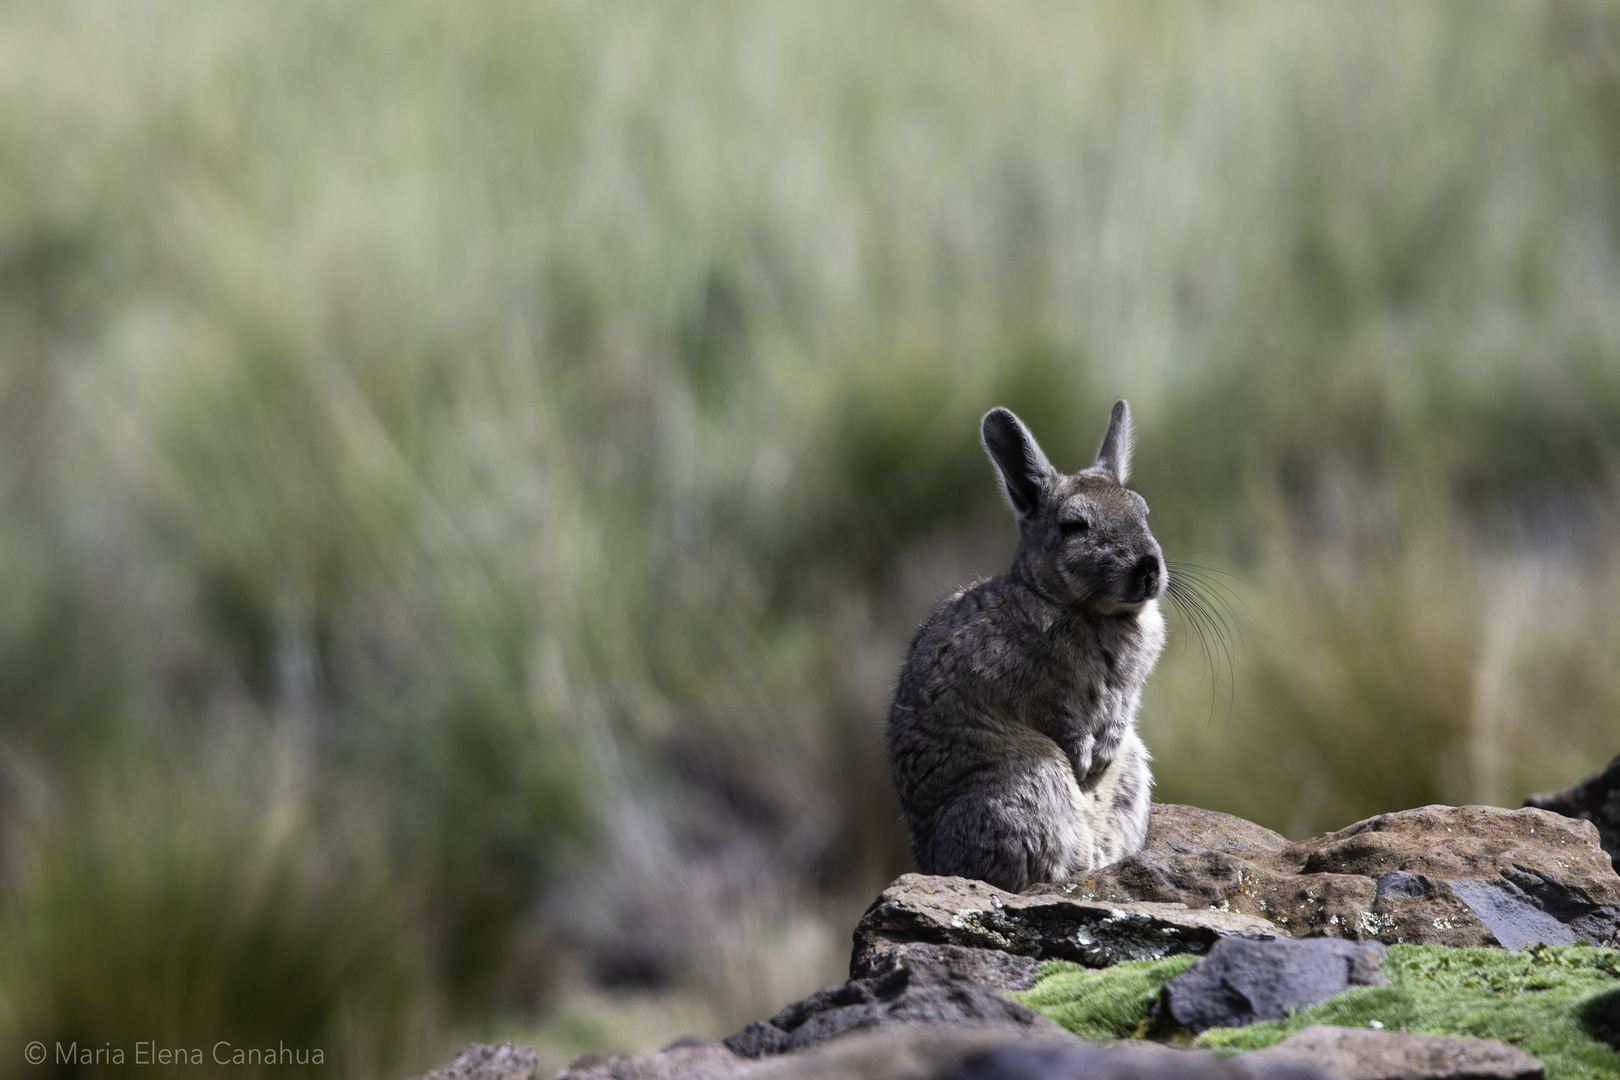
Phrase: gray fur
(1013, 731)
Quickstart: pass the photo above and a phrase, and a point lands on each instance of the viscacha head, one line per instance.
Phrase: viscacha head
(1083, 538)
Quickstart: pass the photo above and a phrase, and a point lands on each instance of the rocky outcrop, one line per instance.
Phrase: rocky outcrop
(686, 1060)
(1595, 799)
(925, 1052)
(932, 1052)
(1176, 829)
(1123, 1061)
(1469, 875)
(934, 956)
(1043, 923)
(913, 991)
(1361, 1054)
(502, 1061)
(1243, 981)
(1003, 971)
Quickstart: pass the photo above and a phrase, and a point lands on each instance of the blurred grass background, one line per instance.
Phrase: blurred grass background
(468, 473)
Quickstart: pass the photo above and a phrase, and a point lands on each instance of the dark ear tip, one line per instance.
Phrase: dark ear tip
(998, 420)
(1120, 411)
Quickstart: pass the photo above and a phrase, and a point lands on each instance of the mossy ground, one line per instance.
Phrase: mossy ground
(1542, 1000)
(1111, 1003)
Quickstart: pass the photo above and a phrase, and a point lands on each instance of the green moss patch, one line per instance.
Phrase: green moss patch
(1111, 1003)
(1545, 1000)
(1542, 999)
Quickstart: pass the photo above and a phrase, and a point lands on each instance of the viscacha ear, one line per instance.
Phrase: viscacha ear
(1017, 457)
(1114, 455)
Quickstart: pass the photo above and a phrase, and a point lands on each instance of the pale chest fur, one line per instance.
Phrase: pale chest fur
(1095, 708)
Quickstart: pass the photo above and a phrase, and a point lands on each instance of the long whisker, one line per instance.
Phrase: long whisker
(1200, 616)
(1211, 642)
(1189, 610)
(1204, 580)
(1213, 608)
(1209, 575)
(1207, 605)
(1218, 613)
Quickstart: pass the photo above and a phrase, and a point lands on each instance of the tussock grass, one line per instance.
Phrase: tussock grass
(194, 916)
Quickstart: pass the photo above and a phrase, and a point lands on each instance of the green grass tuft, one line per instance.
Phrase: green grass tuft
(1112, 1003)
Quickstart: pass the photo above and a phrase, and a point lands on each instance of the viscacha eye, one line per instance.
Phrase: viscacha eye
(1075, 527)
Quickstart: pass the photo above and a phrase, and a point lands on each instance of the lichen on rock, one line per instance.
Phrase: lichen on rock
(1435, 875)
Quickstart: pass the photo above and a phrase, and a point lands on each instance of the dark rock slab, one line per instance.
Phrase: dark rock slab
(918, 1052)
(1362, 1054)
(1524, 909)
(1043, 923)
(1000, 970)
(1111, 1063)
(502, 1061)
(1174, 829)
(1389, 878)
(912, 992)
(933, 1053)
(1243, 981)
(1595, 799)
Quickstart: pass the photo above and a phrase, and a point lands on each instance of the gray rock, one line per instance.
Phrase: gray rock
(1402, 884)
(1048, 922)
(1301, 905)
(918, 1052)
(1595, 799)
(912, 992)
(1174, 829)
(503, 1061)
(1389, 878)
(933, 1053)
(1000, 970)
(1120, 1063)
(1243, 981)
(1362, 1054)
(1525, 907)
(688, 1061)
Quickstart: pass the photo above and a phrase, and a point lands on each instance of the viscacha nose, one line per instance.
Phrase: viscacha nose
(1144, 579)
